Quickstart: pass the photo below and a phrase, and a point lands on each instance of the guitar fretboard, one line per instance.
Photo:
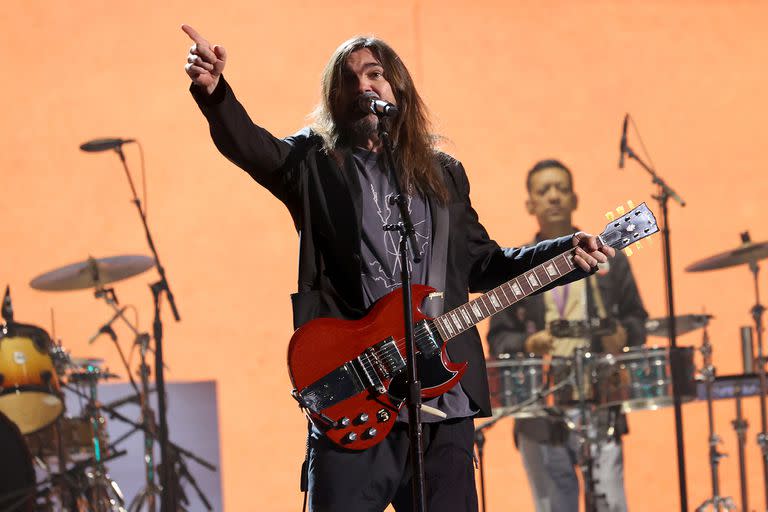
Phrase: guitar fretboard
(458, 320)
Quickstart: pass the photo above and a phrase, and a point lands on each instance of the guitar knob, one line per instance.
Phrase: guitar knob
(370, 433)
(343, 422)
(350, 437)
(363, 418)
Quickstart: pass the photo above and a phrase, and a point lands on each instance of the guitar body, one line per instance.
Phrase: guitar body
(349, 374)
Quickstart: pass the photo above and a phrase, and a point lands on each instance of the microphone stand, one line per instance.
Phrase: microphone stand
(665, 192)
(413, 399)
(158, 288)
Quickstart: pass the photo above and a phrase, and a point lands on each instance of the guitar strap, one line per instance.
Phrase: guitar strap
(438, 263)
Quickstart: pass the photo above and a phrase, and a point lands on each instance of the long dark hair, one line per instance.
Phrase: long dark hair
(410, 130)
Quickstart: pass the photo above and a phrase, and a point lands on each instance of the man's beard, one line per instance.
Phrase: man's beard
(361, 130)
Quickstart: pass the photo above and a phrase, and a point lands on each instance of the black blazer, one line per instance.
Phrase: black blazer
(323, 198)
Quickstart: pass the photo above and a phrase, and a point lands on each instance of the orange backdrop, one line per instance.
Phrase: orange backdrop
(508, 82)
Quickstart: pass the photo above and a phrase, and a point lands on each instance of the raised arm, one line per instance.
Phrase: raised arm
(248, 145)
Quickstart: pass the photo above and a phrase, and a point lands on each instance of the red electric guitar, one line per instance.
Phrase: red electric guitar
(349, 375)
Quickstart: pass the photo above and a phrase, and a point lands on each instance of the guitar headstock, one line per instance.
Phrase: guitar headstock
(629, 227)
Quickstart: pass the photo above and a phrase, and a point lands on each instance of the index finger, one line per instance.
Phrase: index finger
(193, 34)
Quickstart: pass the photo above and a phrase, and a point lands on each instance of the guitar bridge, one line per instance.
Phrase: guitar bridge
(342, 383)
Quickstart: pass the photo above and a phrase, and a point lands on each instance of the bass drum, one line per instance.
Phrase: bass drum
(17, 475)
(29, 386)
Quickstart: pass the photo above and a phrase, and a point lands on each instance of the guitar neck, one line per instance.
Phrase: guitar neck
(462, 318)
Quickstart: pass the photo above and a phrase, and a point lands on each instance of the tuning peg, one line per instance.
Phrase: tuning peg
(620, 210)
(630, 204)
(639, 246)
(610, 216)
(628, 251)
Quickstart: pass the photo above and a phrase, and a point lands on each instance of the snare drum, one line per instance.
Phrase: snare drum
(29, 385)
(513, 381)
(640, 378)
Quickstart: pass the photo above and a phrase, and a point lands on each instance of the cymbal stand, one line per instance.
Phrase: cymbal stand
(587, 437)
(717, 502)
(151, 490)
(104, 492)
(757, 316)
(509, 411)
(740, 425)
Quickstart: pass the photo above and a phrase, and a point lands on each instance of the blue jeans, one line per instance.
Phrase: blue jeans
(551, 470)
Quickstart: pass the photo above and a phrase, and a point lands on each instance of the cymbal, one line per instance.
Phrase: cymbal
(745, 254)
(683, 324)
(92, 273)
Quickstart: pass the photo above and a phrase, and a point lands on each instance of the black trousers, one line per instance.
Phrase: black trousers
(368, 481)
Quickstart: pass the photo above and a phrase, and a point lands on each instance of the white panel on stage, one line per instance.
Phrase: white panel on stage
(193, 424)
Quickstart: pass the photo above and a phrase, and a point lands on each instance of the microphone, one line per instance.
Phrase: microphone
(107, 327)
(95, 145)
(372, 104)
(623, 143)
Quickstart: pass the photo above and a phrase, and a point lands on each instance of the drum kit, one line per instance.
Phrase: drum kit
(38, 436)
(584, 387)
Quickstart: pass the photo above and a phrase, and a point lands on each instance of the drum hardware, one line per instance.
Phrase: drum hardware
(740, 425)
(749, 253)
(582, 328)
(586, 435)
(511, 411)
(683, 325)
(180, 452)
(717, 502)
(103, 493)
(151, 490)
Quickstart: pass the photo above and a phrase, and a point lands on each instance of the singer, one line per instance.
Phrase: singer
(336, 187)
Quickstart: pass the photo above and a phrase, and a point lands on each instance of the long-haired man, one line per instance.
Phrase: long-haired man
(336, 187)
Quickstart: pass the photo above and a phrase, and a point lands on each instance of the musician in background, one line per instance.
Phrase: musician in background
(548, 448)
